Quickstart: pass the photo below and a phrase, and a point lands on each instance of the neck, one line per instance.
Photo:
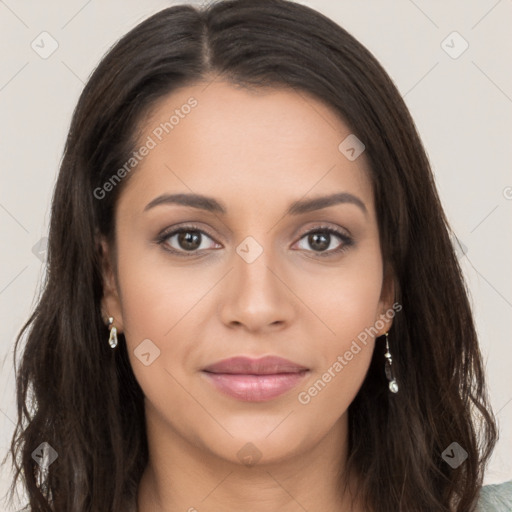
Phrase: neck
(181, 476)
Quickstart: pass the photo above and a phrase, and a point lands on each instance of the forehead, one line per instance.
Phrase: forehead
(256, 144)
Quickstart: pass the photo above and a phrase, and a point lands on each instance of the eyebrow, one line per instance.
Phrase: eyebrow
(296, 208)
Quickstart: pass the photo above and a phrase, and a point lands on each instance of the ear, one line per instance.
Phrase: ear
(387, 310)
(110, 302)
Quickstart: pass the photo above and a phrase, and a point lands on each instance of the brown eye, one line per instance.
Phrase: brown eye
(323, 241)
(186, 239)
(189, 240)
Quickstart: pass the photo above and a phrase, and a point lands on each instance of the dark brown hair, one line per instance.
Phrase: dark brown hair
(76, 394)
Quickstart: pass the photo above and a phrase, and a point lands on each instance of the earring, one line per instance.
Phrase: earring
(112, 339)
(393, 385)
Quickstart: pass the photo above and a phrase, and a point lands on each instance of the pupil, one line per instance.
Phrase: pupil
(319, 241)
(189, 241)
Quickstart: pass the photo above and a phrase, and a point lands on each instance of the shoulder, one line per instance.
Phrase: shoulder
(496, 498)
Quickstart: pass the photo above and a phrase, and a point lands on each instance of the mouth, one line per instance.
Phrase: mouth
(254, 388)
(254, 380)
(268, 365)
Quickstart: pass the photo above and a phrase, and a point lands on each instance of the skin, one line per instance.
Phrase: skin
(256, 152)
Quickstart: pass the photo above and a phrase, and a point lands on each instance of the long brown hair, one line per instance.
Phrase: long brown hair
(81, 398)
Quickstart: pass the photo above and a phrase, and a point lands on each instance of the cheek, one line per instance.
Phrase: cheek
(329, 392)
(159, 300)
(346, 299)
(343, 358)
(157, 291)
(348, 304)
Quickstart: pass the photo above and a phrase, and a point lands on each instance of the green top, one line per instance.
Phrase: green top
(496, 498)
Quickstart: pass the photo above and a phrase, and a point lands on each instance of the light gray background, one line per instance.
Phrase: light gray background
(462, 107)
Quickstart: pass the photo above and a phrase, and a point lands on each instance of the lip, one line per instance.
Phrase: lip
(254, 380)
(267, 365)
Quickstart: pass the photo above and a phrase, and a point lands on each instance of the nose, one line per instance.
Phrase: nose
(257, 293)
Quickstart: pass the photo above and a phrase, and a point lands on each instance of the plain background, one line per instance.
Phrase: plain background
(462, 106)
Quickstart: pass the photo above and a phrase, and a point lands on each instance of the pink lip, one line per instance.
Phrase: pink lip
(267, 365)
(255, 380)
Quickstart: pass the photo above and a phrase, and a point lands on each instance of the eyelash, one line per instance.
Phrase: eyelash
(347, 241)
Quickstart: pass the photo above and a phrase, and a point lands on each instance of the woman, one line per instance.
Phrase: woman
(252, 300)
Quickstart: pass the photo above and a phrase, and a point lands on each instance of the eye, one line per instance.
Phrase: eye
(321, 239)
(183, 240)
(190, 240)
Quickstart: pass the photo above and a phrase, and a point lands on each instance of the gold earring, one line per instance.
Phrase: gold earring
(112, 339)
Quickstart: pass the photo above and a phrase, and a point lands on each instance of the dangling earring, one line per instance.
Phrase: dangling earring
(112, 339)
(393, 385)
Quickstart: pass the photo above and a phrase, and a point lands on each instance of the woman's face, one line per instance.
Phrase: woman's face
(245, 278)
